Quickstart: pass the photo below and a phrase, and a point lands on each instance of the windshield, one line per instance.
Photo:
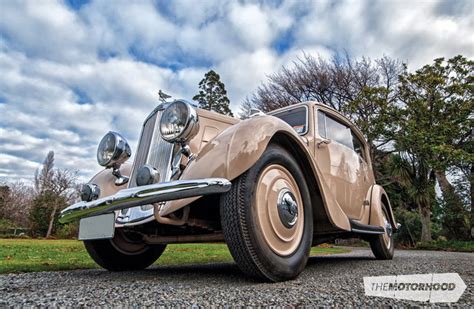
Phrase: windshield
(296, 118)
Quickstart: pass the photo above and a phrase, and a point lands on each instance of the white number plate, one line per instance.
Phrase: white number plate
(98, 227)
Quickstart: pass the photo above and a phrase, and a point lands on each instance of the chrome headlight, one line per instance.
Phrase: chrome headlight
(113, 150)
(179, 122)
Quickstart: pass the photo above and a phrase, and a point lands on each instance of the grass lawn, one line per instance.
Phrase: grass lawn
(27, 255)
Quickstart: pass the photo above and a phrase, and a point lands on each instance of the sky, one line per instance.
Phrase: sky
(72, 70)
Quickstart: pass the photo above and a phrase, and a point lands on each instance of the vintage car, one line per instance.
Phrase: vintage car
(270, 187)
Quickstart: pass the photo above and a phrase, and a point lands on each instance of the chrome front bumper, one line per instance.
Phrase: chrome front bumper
(144, 195)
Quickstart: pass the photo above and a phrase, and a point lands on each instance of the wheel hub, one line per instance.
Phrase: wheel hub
(287, 208)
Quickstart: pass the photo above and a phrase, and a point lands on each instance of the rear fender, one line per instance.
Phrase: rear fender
(378, 198)
(238, 148)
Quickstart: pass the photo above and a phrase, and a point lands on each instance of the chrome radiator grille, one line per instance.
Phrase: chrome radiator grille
(153, 150)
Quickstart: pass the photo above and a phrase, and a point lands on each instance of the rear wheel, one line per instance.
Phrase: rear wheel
(382, 245)
(123, 252)
(267, 218)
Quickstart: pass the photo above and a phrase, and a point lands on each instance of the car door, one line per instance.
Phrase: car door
(341, 165)
(363, 180)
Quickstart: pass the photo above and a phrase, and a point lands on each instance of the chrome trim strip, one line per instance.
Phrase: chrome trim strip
(143, 195)
(160, 107)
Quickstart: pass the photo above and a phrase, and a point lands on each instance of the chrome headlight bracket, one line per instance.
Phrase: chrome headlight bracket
(121, 179)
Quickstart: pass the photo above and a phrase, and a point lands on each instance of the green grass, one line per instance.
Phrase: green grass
(29, 255)
(447, 245)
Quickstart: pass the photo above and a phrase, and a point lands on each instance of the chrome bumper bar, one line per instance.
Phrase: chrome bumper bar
(143, 195)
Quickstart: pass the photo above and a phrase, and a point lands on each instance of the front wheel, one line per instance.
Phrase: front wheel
(122, 252)
(383, 245)
(267, 218)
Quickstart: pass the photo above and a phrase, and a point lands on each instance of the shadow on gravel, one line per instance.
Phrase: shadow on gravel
(223, 272)
(325, 260)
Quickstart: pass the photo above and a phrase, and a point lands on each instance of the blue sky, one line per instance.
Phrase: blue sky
(72, 70)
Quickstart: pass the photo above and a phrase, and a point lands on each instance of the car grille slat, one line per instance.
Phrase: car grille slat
(159, 155)
(153, 150)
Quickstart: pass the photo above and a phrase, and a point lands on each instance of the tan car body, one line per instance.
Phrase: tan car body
(227, 147)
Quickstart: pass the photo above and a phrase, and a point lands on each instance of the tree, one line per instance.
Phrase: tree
(418, 180)
(435, 123)
(44, 176)
(54, 189)
(4, 194)
(15, 203)
(43, 216)
(212, 94)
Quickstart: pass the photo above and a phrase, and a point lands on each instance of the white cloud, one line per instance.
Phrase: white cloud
(44, 29)
(252, 25)
(115, 28)
(409, 30)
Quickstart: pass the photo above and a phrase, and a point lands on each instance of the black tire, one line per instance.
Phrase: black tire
(242, 234)
(121, 254)
(379, 246)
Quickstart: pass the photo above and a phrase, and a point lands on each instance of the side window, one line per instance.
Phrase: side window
(332, 129)
(358, 146)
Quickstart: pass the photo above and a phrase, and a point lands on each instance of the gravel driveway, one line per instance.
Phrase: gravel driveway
(334, 280)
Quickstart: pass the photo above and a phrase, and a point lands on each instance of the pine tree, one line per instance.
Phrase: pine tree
(212, 94)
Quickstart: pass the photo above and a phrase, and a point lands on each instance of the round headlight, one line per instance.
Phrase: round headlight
(179, 122)
(113, 150)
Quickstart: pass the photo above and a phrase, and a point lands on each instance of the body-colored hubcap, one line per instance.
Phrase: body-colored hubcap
(279, 209)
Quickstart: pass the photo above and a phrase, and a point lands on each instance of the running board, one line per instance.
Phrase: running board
(357, 227)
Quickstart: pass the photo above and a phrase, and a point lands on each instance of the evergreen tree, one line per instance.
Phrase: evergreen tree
(212, 94)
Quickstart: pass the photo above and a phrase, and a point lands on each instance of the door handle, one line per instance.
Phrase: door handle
(323, 142)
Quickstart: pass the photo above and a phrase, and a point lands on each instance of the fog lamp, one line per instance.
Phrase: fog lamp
(147, 175)
(90, 192)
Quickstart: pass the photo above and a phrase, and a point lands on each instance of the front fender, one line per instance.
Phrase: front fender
(238, 148)
(379, 197)
(106, 181)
